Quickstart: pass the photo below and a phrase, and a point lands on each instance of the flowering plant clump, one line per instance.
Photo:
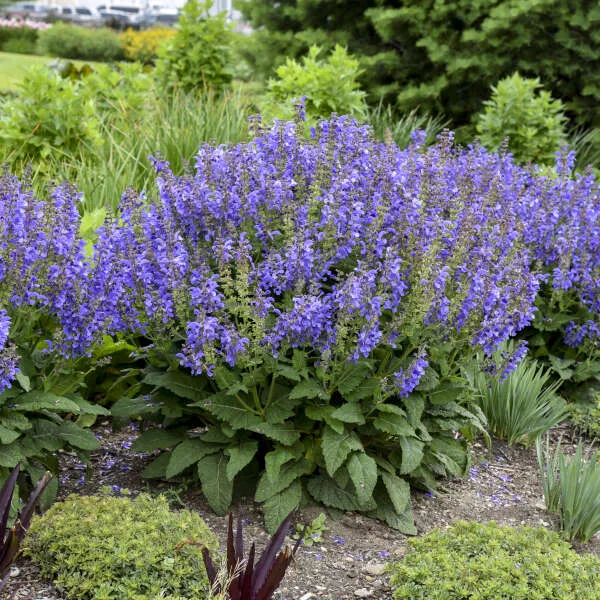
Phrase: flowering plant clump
(307, 308)
(27, 23)
(42, 269)
(320, 291)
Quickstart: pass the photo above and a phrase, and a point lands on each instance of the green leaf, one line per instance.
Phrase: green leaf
(23, 381)
(280, 409)
(366, 389)
(398, 490)
(385, 511)
(80, 438)
(308, 389)
(349, 413)
(363, 473)
(351, 377)
(36, 401)
(323, 413)
(336, 448)
(280, 505)
(287, 474)
(90, 408)
(126, 408)
(393, 424)
(110, 347)
(239, 457)
(8, 436)
(10, 456)
(157, 469)
(284, 433)
(429, 381)
(184, 386)
(217, 488)
(187, 453)
(412, 454)
(274, 460)
(288, 372)
(155, 439)
(228, 409)
(323, 489)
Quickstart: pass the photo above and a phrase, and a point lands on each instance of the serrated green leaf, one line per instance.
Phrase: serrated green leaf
(228, 409)
(323, 413)
(77, 437)
(284, 433)
(23, 381)
(365, 389)
(280, 505)
(110, 347)
(336, 448)
(35, 401)
(308, 389)
(287, 474)
(412, 454)
(7, 436)
(398, 490)
(323, 489)
(274, 460)
(10, 455)
(351, 377)
(393, 424)
(187, 453)
(385, 511)
(429, 381)
(363, 473)
(239, 457)
(184, 386)
(217, 488)
(157, 469)
(15, 420)
(349, 413)
(288, 372)
(280, 409)
(90, 408)
(125, 408)
(155, 439)
(299, 360)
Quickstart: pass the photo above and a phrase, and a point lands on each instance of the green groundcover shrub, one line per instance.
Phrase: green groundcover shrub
(70, 41)
(105, 547)
(488, 562)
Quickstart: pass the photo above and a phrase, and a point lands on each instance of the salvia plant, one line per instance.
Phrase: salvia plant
(247, 579)
(307, 307)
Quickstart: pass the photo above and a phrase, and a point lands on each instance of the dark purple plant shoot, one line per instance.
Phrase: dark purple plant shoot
(254, 581)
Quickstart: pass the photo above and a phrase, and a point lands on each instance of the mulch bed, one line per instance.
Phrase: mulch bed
(503, 485)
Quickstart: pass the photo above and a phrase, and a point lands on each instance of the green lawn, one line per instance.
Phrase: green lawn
(13, 67)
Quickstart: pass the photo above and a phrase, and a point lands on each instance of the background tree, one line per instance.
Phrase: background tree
(445, 56)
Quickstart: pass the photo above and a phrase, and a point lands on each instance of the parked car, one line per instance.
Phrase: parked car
(81, 15)
(122, 17)
(167, 17)
(27, 10)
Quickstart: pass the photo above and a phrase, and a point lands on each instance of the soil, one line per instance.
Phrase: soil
(503, 485)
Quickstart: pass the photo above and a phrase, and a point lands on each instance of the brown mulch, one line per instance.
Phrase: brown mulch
(503, 485)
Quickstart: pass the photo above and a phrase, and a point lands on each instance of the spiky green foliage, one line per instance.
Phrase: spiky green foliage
(96, 548)
(572, 489)
(489, 562)
(521, 406)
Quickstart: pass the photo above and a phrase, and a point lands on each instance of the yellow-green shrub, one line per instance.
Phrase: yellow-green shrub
(142, 46)
(102, 547)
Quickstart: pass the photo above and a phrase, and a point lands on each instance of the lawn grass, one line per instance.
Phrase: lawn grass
(13, 67)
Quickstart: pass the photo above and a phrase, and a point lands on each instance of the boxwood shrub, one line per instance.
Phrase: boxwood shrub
(487, 562)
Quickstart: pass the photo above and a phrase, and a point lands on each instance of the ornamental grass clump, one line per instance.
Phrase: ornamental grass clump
(572, 489)
(521, 405)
